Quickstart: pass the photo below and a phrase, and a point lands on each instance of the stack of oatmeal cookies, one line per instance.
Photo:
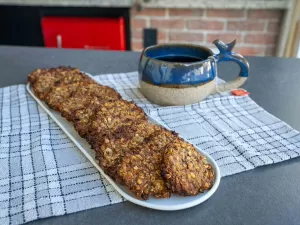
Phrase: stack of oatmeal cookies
(149, 159)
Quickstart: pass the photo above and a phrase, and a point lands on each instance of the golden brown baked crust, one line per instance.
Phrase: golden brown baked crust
(72, 104)
(140, 168)
(185, 170)
(160, 139)
(44, 83)
(59, 94)
(141, 173)
(83, 117)
(73, 77)
(88, 95)
(120, 112)
(61, 70)
(97, 90)
(95, 136)
(119, 142)
(121, 107)
(82, 114)
(83, 120)
(34, 74)
(44, 80)
(114, 114)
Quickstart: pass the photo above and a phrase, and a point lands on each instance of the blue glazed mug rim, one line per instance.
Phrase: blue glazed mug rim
(191, 46)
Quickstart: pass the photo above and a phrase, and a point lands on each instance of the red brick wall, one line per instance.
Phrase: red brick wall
(256, 31)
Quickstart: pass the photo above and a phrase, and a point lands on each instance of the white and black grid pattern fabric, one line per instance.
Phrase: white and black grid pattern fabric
(43, 174)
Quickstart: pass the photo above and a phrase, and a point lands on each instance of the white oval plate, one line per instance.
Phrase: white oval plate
(175, 202)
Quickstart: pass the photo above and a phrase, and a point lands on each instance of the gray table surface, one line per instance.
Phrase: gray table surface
(265, 195)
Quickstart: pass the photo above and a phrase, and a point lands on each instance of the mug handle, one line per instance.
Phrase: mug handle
(226, 54)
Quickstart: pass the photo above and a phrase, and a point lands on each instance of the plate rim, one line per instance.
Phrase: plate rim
(143, 203)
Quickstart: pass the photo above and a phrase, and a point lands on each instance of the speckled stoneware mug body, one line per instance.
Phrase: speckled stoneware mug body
(181, 74)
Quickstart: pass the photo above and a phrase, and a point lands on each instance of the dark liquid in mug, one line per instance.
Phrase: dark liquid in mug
(178, 58)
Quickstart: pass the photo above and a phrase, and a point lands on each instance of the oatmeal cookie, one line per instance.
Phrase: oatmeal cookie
(97, 90)
(118, 112)
(60, 94)
(35, 74)
(82, 118)
(85, 96)
(115, 114)
(185, 170)
(117, 143)
(61, 70)
(141, 171)
(120, 107)
(44, 83)
(160, 139)
(69, 107)
(49, 78)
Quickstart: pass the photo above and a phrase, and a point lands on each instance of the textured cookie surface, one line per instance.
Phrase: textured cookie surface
(121, 108)
(124, 139)
(34, 75)
(82, 118)
(60, 94)
(82, 99)
(115, 114)
(70, 77)
(45, 79)
(44, 83)
(141, 173)
(61, 70)
(72, 104)
(140, 169)
(185, 170)
(98, 90)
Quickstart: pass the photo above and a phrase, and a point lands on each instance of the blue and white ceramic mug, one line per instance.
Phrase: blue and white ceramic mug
(181, 74)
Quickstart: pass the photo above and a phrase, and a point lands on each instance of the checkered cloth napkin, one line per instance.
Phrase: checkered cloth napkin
(43, 174)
